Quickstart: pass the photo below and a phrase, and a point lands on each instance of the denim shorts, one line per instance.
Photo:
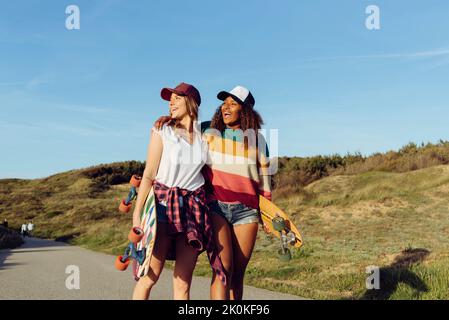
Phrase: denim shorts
(235, 213)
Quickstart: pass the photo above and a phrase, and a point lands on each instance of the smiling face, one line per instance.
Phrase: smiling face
(178, 106)
(230, 111)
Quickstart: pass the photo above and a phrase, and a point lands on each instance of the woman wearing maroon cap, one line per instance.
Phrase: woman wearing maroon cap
(235, 184)
(176, 156)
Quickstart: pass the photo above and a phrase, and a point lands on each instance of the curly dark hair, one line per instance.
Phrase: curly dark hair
(249, 119)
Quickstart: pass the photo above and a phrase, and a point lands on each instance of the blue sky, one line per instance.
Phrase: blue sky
(72, 99)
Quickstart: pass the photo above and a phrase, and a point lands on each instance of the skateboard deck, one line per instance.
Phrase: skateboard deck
(148, 223)
(142, 238)
(280, 225)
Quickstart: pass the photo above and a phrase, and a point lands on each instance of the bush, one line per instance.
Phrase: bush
(295, 173)
(104, 176)
(9, 239)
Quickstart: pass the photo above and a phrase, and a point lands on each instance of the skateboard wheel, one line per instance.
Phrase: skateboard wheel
(278, 224)
(135, 181)
(135, 235)
(284, 256)
(120, 264)
(291, 238)
(123, 207)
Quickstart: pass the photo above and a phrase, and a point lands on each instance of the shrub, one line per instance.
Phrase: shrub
(296, 172)
(9, 239)
(104, 176)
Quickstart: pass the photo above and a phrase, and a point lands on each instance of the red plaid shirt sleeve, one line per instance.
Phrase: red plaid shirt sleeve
(193, 220)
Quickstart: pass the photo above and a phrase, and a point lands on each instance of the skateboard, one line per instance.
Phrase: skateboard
(280, 225)
(140, 247)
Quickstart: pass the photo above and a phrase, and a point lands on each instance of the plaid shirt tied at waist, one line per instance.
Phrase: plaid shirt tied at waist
(187, 213)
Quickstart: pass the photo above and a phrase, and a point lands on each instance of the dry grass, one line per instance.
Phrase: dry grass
(348, 222)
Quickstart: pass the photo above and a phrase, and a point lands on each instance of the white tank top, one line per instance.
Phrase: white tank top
(181, 162)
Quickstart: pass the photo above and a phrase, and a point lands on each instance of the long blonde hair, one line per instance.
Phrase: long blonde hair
(192, 110)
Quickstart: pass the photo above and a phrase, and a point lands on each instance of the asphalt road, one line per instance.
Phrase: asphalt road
(37, 270)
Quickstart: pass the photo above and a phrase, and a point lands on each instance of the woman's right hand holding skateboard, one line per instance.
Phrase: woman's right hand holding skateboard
(265, 228)
(264, 225)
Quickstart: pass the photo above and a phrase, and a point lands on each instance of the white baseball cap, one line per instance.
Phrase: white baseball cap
(239, 94)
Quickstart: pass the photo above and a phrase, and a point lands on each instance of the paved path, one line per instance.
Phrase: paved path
(37, 270)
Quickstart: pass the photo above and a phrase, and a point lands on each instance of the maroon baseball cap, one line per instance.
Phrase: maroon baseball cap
(182, 89)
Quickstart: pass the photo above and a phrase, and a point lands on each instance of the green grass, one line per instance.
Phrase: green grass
(348, 222)
(351, 222)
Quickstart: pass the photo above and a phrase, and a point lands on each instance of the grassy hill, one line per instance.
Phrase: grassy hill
(353, 214)
(397, 221)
